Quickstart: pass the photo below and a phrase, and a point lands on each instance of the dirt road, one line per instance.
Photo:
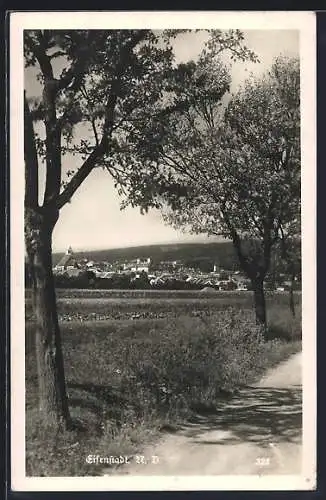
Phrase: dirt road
(256, 432)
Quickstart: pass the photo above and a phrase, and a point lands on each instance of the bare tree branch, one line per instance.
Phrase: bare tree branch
(43, 59)
(90, 162)
(95, 131)
(83, 172)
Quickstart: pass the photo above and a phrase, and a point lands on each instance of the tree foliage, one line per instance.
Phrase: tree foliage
(111, 86)
(234, 160)
(237, 160)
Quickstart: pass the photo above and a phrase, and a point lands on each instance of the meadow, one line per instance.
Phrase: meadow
(140, 363)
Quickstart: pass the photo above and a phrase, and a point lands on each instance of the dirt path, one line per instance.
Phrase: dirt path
(256, 432)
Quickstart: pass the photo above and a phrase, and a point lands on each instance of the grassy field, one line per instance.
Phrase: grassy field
(138, 364)
(84, 305)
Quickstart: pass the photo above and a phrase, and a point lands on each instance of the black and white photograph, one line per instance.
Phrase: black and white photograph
(163, 251)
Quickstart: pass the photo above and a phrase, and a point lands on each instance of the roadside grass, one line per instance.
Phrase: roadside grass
(129, 380)
(281, 323)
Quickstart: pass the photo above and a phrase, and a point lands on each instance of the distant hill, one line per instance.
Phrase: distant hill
(221, 253)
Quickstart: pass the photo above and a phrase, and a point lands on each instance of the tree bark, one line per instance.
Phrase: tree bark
(53, 401)
(256, 274)
(291, 297)
(259, 301)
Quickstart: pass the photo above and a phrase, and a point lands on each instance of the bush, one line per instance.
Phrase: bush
(84, 280)
(203, 360)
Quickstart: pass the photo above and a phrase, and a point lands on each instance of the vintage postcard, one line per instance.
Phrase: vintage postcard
(163, 251)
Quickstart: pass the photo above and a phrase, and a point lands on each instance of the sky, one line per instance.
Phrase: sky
(93, 219)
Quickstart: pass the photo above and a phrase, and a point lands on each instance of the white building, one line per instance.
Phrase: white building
(138, 265)
(67, 261)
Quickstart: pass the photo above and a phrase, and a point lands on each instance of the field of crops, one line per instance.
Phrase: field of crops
(101, 305)
(156, 294)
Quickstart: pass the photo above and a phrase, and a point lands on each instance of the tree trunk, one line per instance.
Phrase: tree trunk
(53, 402)
(259, 301)
(291, 297)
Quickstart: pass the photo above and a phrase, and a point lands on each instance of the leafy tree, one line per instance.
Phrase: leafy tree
(235, 160)
(141, 282)
(99, 91)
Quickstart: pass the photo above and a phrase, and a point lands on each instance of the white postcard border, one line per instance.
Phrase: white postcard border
(306, 23)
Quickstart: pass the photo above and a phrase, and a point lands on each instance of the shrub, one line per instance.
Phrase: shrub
(84, 280)
(193, 360)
